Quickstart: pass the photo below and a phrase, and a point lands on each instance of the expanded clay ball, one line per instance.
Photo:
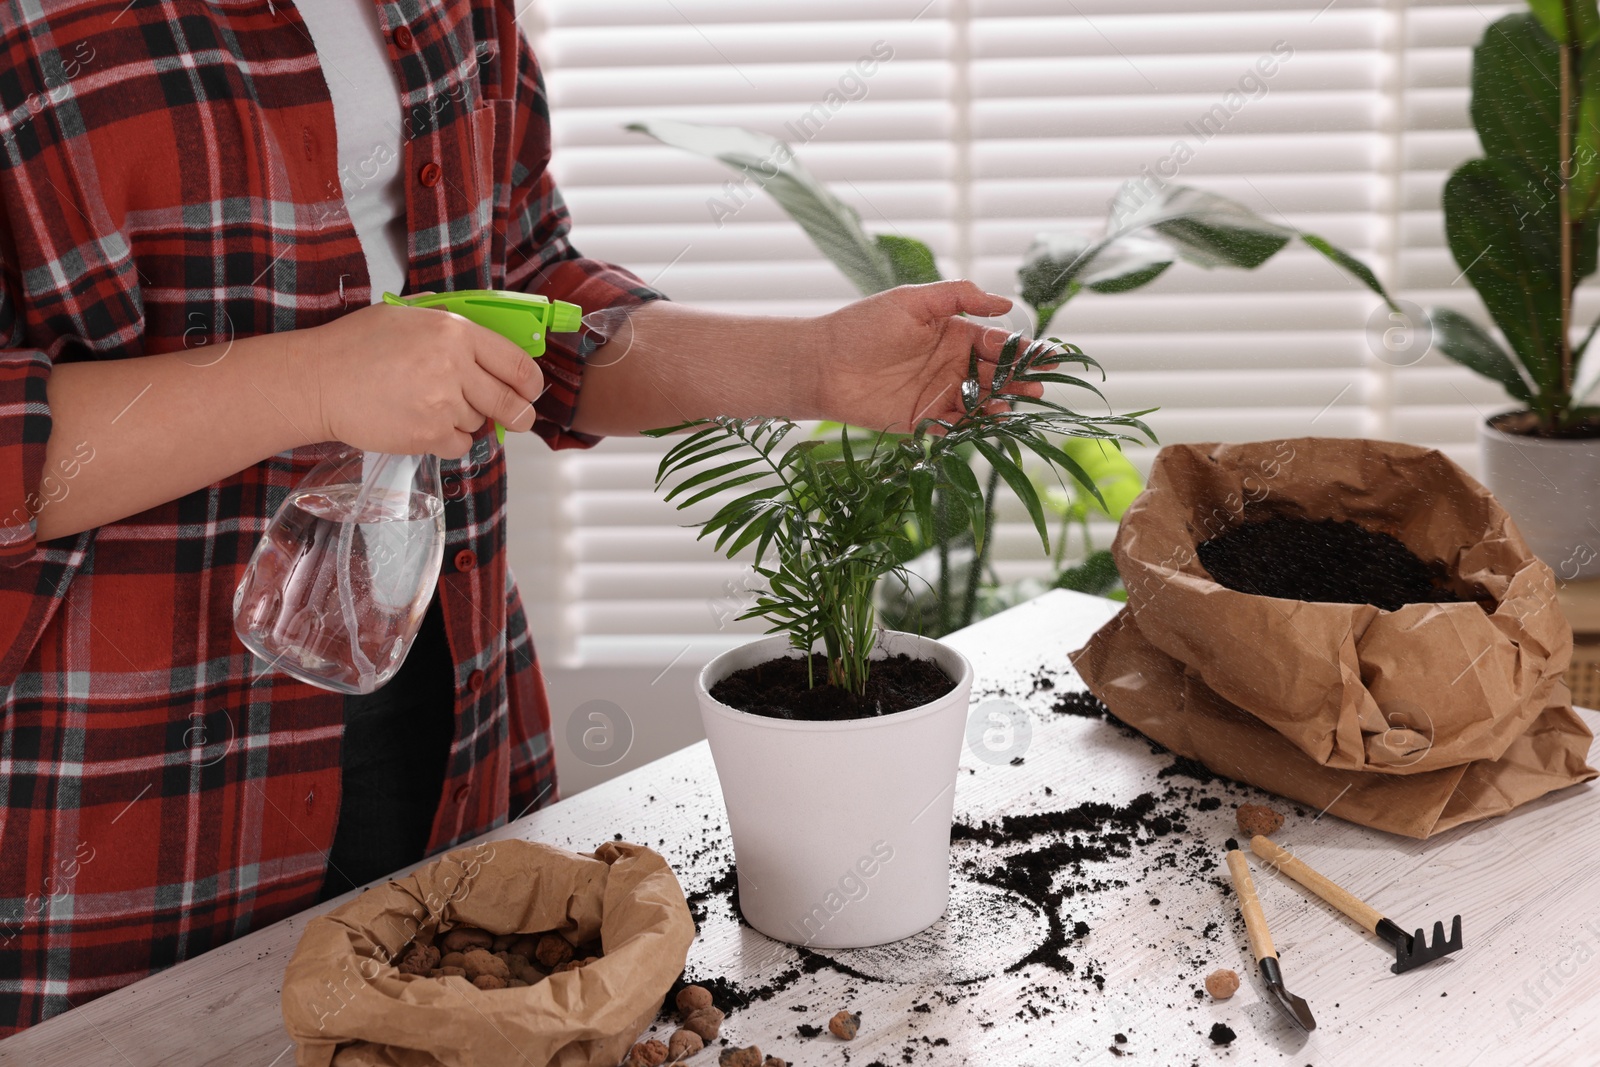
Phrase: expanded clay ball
(448, 972)
(1258, 819)
(845, 1024)
(683, 1044)
(773, 1061)
(480, 963)
(526, 946)
(552, 951)
(453, 959)
(691, 998)
(464, 937)
(489, 981)
(647, 1054)
(707, 1022)
(1222, 983)
(733, 1056)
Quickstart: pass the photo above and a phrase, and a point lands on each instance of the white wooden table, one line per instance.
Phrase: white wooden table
(1525, 991)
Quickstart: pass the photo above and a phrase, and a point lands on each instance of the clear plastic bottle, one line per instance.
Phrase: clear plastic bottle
(336, 589)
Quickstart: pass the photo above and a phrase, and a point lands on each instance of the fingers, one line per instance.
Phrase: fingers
(493, 398)
(508, 363)
(944, 300)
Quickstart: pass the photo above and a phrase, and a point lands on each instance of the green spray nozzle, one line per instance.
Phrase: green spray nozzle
(524, 319)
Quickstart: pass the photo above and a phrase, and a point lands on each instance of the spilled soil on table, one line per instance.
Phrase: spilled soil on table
(1059, 858)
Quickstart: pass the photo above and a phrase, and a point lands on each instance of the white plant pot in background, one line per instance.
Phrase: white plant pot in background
(841, 830)
(1552, 490)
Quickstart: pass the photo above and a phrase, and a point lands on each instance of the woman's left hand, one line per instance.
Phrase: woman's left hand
(899, 357)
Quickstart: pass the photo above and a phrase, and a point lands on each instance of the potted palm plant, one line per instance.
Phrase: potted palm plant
(1521, 223)
(836, 742)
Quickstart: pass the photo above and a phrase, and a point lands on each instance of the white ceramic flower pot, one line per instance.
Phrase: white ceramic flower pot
(841, 830)
(1552, 490)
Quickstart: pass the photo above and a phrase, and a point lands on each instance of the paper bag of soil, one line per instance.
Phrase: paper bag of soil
(346, 1004)
(1432, 714)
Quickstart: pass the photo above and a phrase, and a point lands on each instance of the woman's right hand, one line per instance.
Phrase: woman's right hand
(412, 380)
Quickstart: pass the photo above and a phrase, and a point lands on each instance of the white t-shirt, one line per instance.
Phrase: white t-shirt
(366, 115)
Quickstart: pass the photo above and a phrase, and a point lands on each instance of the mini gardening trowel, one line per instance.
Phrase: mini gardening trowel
(1255, 924)
(1410, 950)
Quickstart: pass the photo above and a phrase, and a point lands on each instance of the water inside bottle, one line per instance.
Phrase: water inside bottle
(338, 586)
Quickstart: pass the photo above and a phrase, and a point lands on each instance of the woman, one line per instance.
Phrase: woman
(199, 205)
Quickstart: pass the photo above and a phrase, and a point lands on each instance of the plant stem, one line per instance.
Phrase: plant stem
(1571, 60)
(969, 602)
(941, 533)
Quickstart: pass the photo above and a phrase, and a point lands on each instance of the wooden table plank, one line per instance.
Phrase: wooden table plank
(1526, 990)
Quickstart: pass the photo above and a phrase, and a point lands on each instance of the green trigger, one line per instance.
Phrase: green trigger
(524, 319)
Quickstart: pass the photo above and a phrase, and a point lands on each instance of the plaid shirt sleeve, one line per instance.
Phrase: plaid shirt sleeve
(24, 431)
(541, 259)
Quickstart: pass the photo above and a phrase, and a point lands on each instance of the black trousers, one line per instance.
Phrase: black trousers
(396, 745)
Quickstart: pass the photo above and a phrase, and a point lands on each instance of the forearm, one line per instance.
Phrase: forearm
(667, 364)
(130, 434)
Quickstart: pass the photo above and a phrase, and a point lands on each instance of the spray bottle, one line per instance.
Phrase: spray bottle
(337, 587)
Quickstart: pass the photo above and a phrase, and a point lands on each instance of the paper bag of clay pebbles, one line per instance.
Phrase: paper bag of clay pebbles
(500, 954)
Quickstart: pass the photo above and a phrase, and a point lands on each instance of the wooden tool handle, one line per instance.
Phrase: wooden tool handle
(1255, 923)
(1340, 898)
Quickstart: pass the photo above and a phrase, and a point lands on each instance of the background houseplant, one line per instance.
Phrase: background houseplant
(1151, 226)
(1521, 223)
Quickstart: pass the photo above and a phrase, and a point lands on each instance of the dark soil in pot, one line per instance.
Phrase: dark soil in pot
(1326, 561)
(781, 689)
(1526, 424)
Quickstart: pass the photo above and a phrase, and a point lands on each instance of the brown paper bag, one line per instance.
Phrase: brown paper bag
(1153, 693)
(345, 1004)
(1335, 689)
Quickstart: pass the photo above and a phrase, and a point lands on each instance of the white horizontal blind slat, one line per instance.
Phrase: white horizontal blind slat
(994, 120)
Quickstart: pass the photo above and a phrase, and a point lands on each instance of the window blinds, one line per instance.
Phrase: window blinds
(987, 122)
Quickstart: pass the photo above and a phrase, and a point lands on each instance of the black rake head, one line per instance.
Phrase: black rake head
(1413, 950)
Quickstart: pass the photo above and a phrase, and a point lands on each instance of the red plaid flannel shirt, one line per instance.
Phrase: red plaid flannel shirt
(168, 176)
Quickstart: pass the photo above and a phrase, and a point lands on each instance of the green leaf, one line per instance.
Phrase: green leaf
(770, 165)
(1049, 267)
(1503, 229)
(1096, 575)
(1127, 263)
(910, 261)
(1350, 263)
(1020, 485)
(710, 475)
(1585, 197)
(1552, 15)
(1516, 95)
(1111, 471)
(1203, 228)
(1470, 345)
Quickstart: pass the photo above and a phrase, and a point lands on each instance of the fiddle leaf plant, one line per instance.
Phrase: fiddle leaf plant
(1522, 222)
(829, 518)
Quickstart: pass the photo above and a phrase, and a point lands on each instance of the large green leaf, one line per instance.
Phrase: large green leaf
(1470, 345)
(1503, 229)
(1358, 269)
(1516, 95)
(1048, 270)
(910, 261)
(1586, 140)
(1203, 228)
(1114, 475)
(1552, 15)
(770, 164)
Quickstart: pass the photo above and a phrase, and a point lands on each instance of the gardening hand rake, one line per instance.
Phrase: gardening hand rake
(1410, 950)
